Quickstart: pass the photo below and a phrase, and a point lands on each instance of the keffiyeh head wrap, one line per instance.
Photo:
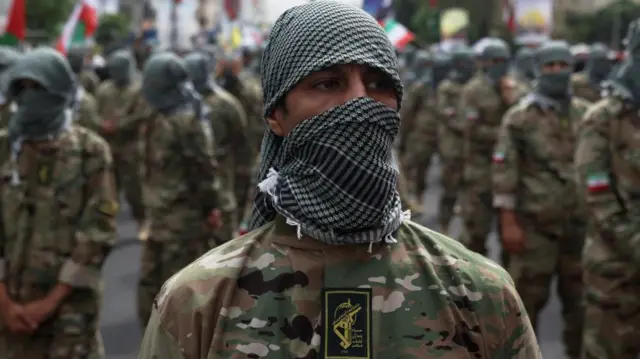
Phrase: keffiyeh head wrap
(334, 175)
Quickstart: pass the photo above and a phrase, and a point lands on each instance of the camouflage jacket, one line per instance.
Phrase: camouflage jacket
(6, 111)
(249, 92)
(608, 163)
(127, 109)
(533, 172)
(582, 87)
(58, 221)
(86, 111)
(452, 125)
(90, 81)
(232, 148)
(271, 295)
(419, 127)
(178, 167)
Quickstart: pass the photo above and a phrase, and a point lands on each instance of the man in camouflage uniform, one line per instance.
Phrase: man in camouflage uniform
(485, 99)
(121, 108)
(80, 58)
(523, 66)
(8, 56)
(607, 162)
(542, 219)
(332, 267)
(179, 174)
(232, 148)
(246, 88)
(418, 137)
(451, 132)
(58, 218)
(587, 84)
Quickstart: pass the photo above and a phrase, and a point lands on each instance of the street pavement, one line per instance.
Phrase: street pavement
(121, 331)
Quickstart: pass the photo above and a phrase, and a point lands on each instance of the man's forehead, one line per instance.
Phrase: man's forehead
(348, 68)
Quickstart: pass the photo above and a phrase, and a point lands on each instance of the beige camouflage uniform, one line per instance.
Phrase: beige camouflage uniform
(90, 81)
(608, 163)
(181, 188)
(6, 111)
(583, 88)
(451, 145)
(86, 111)
(58, 226)
(125, 108)
(483, 108)
(534, 178)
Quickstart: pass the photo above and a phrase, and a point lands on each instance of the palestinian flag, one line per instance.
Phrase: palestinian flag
(16, 24)
(399, 35)
(80, 26)
(597, 182)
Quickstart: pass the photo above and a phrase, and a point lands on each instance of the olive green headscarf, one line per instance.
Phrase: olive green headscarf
(165, 83)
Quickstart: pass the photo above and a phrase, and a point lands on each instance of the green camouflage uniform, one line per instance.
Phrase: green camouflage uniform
(126, 108)
(86, 111)
(90, 81)
(6, 111)
(261, 296)
(58, 226)
(533, 176)
(584, 88)
(608, 165)
(451, 143)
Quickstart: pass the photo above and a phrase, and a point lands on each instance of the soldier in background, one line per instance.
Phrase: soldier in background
(120, 107)
(8, 56)
(542, 219)
(607, 162)
(588, 83)
(80, 58)
(180, 177)
(523, 66)
(451, 132)
(58, 218)
(232, 148)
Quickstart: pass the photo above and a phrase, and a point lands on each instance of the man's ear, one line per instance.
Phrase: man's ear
(275, 119)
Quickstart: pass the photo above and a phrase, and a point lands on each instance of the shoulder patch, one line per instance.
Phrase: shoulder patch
(347, 316)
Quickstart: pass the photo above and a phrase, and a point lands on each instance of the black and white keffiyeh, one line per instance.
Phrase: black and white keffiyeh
(334, 176)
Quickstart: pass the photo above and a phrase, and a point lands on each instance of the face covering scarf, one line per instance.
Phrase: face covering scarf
(337, 178)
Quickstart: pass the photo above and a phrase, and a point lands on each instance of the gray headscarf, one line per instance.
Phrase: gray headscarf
(321, 177)
(199, 69)
(8, 57)
(121, 66)
(165, 83)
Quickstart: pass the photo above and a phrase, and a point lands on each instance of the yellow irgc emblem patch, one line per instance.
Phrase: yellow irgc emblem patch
(347, 323)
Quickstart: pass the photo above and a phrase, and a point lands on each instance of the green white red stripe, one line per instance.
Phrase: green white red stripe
(14, 30)
(597, 182)
(398, 34)
(80, 26)
(498, 157)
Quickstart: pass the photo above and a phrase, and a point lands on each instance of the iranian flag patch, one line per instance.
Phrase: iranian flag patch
(597, 182)
(498, 157)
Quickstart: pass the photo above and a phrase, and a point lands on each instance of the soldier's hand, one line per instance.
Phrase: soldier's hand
(215, 219)
(40, 310)
(513, 236)
(17, 320)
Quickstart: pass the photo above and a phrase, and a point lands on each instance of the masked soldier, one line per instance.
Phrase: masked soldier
(58, 218)
(80, 60)
(607, 159)
(179, 174)
(587, 84)
(451, 132)
(542, 219)
(485, 99)
(229, 124)
(8, 56)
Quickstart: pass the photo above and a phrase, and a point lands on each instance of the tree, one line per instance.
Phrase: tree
(47, 16)
(601, 25)
(111, 28)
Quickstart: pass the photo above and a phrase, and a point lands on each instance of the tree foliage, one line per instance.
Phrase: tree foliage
(111, 28)
(608, 25)
(47, 16)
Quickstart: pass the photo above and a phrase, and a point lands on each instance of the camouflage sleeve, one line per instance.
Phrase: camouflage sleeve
(135, 112)
(157, 342)
(101, 98)
(448, 109)
(506, 161)
(96, 229)
(593, 162)
(88, 113)
(198, 150)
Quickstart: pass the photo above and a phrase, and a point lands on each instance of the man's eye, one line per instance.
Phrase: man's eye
(380, 84)
(327, 84)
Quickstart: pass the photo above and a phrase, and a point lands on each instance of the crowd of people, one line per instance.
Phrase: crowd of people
(273, 192)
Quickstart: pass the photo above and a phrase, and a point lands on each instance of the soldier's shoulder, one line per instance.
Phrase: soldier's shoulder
(225, 98)
(580, 104)
(92, 143)
(579, 78)
(445, 86)
(604, 110)
(106, 86)
(201, 286)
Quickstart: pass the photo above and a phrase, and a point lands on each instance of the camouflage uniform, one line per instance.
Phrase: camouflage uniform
(86, 111)
(180, 184)
(126, 108)
(228, 297)
(533, 176)
(90, 81)
(78, 57)
(607, 161)
(583, 87)
(6, 111)
(8, 56)
(58, 226)
(451, 144)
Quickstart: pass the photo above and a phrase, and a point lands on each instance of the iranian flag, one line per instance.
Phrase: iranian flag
(80, 26)
(597, 182)
(16, 24)
(399, 35)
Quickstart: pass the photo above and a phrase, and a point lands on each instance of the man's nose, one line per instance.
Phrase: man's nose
(356, 87)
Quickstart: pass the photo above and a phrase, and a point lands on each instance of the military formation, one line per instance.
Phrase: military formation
(317, 158)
